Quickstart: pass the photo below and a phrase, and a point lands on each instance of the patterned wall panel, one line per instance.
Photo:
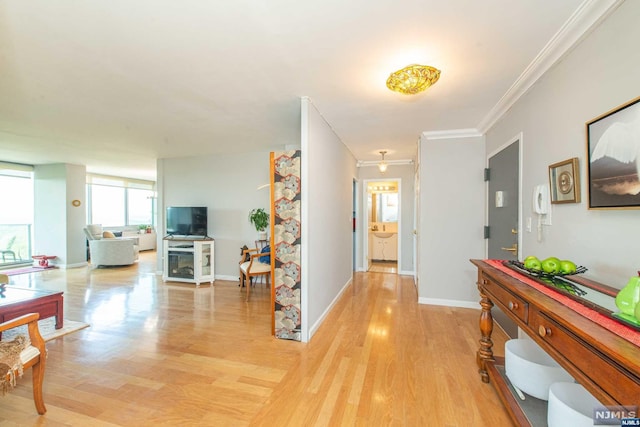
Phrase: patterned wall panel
(285, 209)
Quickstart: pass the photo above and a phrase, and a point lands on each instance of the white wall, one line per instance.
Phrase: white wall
(57, 223)
(597, 76)
(227, 185)
(450, 232)
(407, 175)
(328, 171)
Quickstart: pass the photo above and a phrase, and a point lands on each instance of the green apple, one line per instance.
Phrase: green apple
(532, 263)
(551, 265)
(567, 267)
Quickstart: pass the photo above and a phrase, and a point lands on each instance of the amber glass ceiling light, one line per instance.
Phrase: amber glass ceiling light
(413, 79)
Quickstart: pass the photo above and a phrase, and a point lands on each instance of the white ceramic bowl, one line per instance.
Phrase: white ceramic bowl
(570, 404)
(532, 370)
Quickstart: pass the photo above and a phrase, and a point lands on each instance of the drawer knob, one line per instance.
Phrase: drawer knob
(544, 331)
(513, 305)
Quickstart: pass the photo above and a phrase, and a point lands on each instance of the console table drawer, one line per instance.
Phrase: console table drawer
(510, 302)
(608, 375)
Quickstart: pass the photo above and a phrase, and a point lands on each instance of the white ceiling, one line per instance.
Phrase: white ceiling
(117, 84)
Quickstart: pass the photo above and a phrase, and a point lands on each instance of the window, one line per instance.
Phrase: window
(16, 185)
(107, 206)
(116, 202)
(140, 207)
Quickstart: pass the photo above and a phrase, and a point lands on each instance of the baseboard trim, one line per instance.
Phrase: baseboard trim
(449, 303)
(68, 266)
(407, 273)
(316, 325)
(227, 277)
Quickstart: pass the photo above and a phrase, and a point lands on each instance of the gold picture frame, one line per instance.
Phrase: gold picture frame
(564, 181)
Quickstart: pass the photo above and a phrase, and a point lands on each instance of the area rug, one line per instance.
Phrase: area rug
(24, 270)
(47, 329)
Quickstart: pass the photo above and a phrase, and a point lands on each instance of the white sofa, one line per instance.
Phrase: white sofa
(146, 241)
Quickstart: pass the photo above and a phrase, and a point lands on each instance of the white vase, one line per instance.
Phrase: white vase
(262, 235)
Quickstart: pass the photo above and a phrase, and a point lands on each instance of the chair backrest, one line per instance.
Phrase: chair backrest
(93, 231)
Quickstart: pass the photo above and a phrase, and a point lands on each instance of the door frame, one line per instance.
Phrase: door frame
(354, 239)
(517, 138)
(365, 221)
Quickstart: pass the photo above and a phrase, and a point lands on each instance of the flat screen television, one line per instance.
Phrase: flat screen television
(186, 221)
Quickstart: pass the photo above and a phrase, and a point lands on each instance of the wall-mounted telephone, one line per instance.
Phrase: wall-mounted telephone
(541, 207)
(541, 199)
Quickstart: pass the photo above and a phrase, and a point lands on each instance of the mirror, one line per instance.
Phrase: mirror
(383, 201)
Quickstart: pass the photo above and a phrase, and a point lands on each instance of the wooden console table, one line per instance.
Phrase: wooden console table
(603, 362)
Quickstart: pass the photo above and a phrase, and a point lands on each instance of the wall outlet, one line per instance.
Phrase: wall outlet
(529, 224)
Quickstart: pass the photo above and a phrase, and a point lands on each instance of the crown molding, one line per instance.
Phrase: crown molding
(584, 19)
(367, 163)
(452, 133)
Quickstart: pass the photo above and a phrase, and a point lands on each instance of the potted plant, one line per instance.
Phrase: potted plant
(260, 219)
(142, 228)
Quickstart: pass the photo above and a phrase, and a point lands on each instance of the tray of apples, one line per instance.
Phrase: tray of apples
(549, 267)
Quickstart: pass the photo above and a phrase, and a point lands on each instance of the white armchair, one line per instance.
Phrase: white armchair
(113, 252)
(110, 251)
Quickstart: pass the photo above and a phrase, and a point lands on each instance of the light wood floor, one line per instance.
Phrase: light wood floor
(172, 354)
(383, 267)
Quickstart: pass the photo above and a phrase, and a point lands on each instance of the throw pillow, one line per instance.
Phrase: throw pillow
(108, 235)
(267, 258)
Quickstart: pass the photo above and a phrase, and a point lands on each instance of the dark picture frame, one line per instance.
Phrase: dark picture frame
(613, 158)
(564, 181)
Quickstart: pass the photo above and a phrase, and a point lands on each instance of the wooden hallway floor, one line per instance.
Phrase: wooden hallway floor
(170, 354)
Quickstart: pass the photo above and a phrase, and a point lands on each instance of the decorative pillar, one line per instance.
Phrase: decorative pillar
(286, 271)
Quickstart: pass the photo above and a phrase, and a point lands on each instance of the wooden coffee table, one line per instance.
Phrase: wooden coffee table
(14, 302)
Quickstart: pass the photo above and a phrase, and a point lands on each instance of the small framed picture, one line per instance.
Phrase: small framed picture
(564, 181)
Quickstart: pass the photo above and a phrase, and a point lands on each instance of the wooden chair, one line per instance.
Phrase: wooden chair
(34, 356)
(253, 268)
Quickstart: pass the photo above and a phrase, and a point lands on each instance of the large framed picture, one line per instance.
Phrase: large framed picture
(564, 181)
(613, 153)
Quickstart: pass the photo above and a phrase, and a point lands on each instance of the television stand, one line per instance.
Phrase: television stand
(188, 259)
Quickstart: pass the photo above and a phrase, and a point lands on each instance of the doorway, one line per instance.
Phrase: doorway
(504, 187)
(383, 225)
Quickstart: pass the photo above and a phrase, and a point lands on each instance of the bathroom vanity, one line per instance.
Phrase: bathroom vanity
(383, 246)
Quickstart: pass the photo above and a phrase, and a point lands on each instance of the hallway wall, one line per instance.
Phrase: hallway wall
(598, 75)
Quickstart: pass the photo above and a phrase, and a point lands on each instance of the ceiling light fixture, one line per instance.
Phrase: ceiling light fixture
(382, 165)
(413, 79)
